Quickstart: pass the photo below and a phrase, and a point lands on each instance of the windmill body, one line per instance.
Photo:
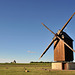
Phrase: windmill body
(61, 51)
(63, 44)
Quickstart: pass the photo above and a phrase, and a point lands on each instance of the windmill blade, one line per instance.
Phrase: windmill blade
(47, 48)
(50, 43)
(48, 28)
(58, 38)
(66, 23)
(65, 44)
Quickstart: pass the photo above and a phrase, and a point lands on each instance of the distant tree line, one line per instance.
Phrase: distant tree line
(40, 62)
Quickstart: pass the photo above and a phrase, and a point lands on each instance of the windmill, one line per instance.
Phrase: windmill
(63, 44)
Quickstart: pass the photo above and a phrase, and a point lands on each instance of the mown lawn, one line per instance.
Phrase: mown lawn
(34, 69)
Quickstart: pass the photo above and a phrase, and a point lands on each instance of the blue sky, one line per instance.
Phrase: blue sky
(22, 36)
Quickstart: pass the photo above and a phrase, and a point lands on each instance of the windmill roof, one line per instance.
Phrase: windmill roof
(66, 36)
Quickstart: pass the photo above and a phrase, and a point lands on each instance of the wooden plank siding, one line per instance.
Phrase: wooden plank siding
(59, 53)
(62, 52)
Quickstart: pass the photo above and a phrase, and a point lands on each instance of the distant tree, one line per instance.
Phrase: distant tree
(14, 61)
(31, 62)
(41, 61)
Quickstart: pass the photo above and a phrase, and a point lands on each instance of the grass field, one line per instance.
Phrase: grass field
(33, 68)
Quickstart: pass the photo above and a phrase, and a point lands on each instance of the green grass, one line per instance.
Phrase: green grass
(33, 68)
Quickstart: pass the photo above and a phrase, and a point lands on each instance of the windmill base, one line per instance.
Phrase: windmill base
(63, 65)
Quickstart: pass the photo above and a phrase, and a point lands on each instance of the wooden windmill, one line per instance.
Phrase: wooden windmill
(63, 44)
